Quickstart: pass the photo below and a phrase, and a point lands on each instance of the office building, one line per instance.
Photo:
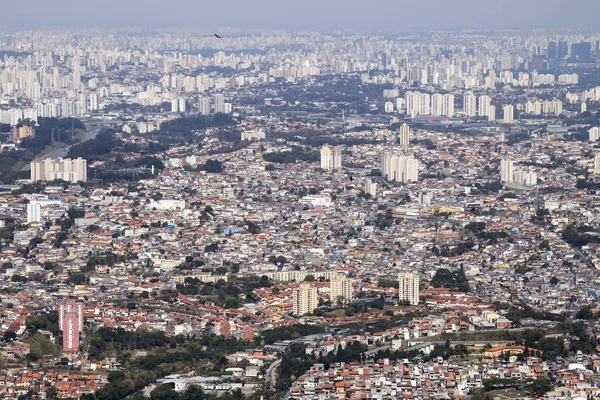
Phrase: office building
(404, 135)
(470, 104)
(597, 164)
(331, 158)
(409, 289)
(66, 169)
(304, 299)
(340, 290)
(552, 51)
(563, 49)
(507, 169)
(509, 112)
(486, 109)
(581, 51)
(399, 168)
(70, 322)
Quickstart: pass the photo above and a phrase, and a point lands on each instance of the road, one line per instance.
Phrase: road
(92, 130)
(272, 372)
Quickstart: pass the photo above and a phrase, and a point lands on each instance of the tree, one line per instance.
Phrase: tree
(9, 336)
(541, 386)
(554, 280)
(164, 392)
(213, 166)
(309, 278)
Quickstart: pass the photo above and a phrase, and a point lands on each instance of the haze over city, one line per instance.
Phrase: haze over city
(344, 15)
(271, 200)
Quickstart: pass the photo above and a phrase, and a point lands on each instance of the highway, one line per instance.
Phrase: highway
(92, 130)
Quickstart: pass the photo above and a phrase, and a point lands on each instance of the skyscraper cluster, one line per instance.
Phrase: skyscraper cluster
(418, 103)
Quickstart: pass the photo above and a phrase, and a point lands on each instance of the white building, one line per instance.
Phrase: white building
(331, 158)
(509, 112)
(340, 289)
(51, 169)
(507, 169)
(400, 168)
(404, 135)
(409, 289)
(470, 104)
(304, 299)
(486, 109)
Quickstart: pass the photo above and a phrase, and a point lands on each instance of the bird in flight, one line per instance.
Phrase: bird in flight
(219, 37)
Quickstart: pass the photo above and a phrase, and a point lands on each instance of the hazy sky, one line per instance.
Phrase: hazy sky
(325, 15)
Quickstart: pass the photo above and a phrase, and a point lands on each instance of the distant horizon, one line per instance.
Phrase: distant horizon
(311, 15)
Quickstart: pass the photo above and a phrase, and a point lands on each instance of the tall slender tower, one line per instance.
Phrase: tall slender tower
(404, 135)
(70, 322)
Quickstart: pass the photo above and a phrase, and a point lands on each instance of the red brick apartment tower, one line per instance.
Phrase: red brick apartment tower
(70, 322)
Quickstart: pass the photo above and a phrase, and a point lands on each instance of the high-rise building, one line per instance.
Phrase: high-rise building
(331, 158)
(470, 104)
(437, 105)
(70, 322)
(304, 299)
(563, 49)
(399, 168)
(20, 133)
(509, 111)
(409, 289)
(370, 187)
(597, 164)
(552, 50)
(219, 103)
(51, 169)
(594, 134)
(448, 105)
(340, 290)
(486, 109)
(582, 51)
(507, 169)
(204, 105)
(404, 135)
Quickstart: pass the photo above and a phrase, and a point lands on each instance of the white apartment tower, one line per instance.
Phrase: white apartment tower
(370, 187)
(219, 103)
(204, 105)
(51, 169)
(331, 158)
(399, 168)
(509, 111)
(409, 289)
(448, 105)
(594, 134)
(470, 104)
(507, 169)
(486, 109)
(305, 299)
(404, 135)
